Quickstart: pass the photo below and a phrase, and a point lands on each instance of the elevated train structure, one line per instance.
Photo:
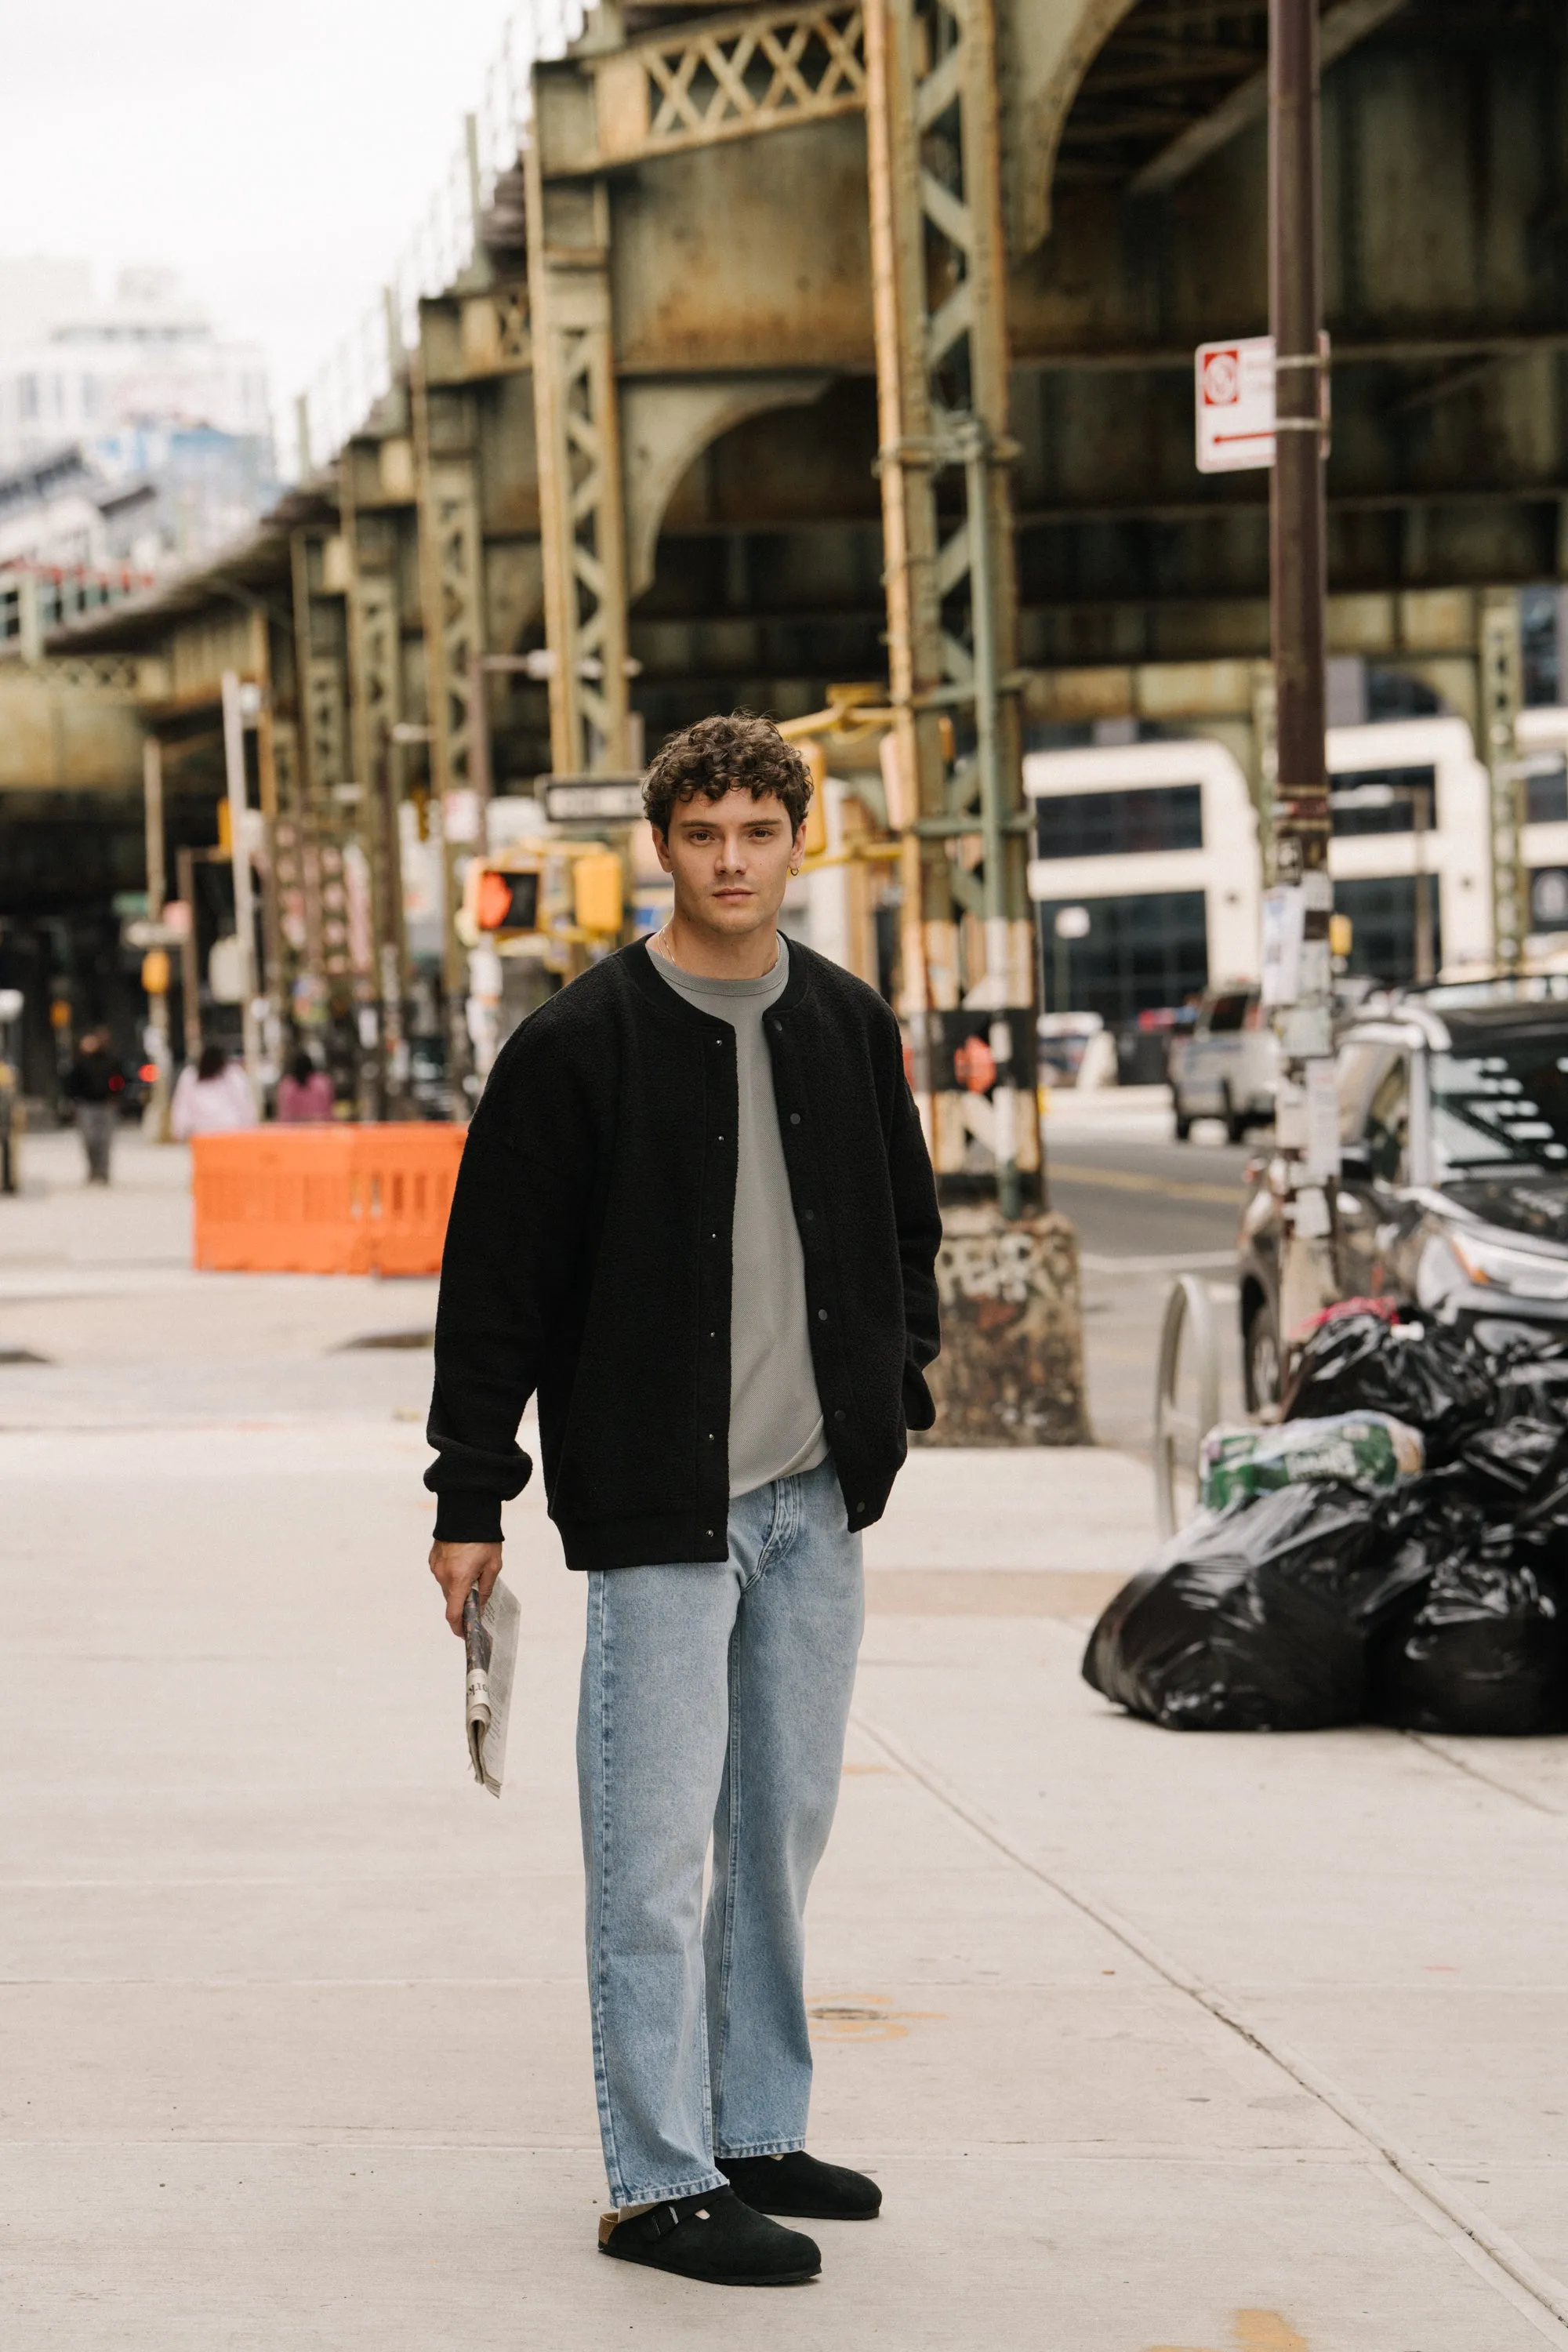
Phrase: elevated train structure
(853, 342)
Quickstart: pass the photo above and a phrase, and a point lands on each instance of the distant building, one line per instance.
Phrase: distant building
(143, 393)
(62, 513)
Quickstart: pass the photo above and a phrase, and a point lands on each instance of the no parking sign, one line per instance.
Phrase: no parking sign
(1236, 404)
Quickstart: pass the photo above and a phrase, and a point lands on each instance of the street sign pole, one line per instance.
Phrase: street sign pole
(157, 896)
(1297, 910)
(244, 879)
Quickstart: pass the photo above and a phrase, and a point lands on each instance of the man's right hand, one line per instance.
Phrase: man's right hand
(458, 1568)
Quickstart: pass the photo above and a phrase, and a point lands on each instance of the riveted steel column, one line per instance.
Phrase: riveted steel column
(577, 420)
(1011, 1370)
(452, 606)
(939, 292)
(375, 705)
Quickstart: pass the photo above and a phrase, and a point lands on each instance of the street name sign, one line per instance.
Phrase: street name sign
(591, 800)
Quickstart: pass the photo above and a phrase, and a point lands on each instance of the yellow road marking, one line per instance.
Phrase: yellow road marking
(1126, 1180)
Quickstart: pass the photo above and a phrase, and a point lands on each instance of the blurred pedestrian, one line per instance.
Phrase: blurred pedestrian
(306, 1096)
(94, 1084)
(212, 1098)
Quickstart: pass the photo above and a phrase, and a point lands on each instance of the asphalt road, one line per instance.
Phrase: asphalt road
(1146, 1209)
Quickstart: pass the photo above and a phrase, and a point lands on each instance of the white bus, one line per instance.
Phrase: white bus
(1157, 842)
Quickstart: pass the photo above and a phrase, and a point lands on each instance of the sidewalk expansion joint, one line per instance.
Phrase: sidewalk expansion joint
(1533, 2291)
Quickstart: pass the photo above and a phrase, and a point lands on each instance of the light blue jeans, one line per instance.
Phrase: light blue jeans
(713, 1706)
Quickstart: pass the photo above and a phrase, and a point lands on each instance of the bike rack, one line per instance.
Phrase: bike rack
(1189, 1345)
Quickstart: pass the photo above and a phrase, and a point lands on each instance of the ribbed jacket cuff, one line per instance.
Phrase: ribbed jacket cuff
(462, 1516)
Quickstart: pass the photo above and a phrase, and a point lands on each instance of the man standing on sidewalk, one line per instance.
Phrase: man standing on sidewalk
(94, 1085)
(695, 1213)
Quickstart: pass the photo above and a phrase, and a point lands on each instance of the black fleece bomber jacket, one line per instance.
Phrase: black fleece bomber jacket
(587, 1258)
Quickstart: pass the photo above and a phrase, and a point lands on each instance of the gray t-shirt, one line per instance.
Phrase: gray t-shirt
(776, 1414)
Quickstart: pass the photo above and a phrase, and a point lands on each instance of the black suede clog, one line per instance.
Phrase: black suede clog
(717, 2238)
(801, 2186)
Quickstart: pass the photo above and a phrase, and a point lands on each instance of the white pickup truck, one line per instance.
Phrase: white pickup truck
(1227, 1066)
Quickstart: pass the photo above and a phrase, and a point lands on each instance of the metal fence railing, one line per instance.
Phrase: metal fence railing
(362, 364)
(38, 597)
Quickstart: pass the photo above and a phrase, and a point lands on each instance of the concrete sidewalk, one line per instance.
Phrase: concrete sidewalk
(1228, 2044)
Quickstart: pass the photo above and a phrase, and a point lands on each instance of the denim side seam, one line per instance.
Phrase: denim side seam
(601, 1892)
(727, 1940)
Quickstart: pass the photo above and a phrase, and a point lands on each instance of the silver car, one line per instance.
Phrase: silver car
(1453, 1191)
(1227, 1067)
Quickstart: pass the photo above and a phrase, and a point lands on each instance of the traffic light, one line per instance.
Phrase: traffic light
(506, 901)
(816, 758)
(596, 892)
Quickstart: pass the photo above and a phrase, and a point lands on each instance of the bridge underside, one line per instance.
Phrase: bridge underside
(1446, 187)
(725, 283)
(1446, 174)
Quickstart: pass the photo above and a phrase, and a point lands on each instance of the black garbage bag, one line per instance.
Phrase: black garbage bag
(1424, 1373)
(1257, 1620)
(1482, 1647)
(1510, 1460)
(1536, 1388)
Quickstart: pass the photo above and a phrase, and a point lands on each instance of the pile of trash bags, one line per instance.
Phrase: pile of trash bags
(1393, 1551)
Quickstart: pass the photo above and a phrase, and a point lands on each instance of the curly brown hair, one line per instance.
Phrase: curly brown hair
(718, 754)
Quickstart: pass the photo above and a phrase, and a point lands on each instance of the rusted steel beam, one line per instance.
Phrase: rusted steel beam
(1343, 27)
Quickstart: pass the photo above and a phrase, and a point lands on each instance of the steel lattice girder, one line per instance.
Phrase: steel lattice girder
(375, 690)
(581, 516)
(725, 78)
(323, 752)
(941, 373)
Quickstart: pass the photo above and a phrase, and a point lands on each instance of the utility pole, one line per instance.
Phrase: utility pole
(157, 894)
(1501, 694)
(244, 881)
(1297, 974)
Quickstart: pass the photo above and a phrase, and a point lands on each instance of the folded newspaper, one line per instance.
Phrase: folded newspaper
(489, 1636)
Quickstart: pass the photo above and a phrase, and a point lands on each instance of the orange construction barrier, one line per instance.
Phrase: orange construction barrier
(324, 1200)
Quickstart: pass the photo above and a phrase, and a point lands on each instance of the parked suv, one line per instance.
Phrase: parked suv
(1227, 1066)
(1453, 1190)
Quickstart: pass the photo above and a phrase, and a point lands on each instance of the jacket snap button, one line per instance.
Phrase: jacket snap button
(838, 1415)
(822, 1313)
(794, 1118)
(809, 1215)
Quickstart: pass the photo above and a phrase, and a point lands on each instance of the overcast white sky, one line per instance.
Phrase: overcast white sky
(278, 153)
